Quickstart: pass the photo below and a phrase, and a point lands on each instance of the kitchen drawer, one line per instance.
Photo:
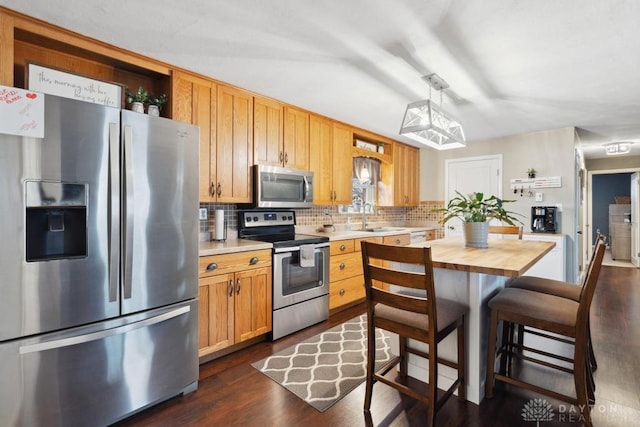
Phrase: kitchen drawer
(358, 245)
(431, 235)
(346, 291)
(341, 247)
(398, 239)
(344, 266)
(229, 263)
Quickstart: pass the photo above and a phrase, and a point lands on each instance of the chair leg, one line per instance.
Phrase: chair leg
(462, 363)
(592, 355)
(404, 357)
(580, 373)
(505, 347)
(432, 386)
(371, 362)
(491, 354)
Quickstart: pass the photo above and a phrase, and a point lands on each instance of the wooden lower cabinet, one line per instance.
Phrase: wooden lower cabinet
(235, 299)
(345, 271)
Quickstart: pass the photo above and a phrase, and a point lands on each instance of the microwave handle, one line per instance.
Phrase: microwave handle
(306, 188)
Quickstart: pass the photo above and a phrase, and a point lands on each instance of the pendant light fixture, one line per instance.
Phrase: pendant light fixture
(429, 124)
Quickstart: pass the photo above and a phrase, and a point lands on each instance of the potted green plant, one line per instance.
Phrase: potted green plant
(475, 211)
(156, 103)
(136, 99)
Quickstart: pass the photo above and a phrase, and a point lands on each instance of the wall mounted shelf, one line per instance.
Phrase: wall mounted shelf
(532, 183)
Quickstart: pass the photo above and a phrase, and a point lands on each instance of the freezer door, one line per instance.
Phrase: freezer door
(55, 237)
(98, 374)
(160, 211)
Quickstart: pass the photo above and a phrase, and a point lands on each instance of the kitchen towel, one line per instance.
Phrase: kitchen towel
(307, 255)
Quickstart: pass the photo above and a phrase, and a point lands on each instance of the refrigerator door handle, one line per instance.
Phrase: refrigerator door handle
(129, 209)
(82, 339)
(114, 210)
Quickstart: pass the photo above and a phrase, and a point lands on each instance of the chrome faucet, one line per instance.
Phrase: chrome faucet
(364, 214)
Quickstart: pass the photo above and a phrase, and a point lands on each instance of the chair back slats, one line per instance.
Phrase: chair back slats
(506, 229)
(590, 281)
(403, 302)
(377, 262)
(397, 277)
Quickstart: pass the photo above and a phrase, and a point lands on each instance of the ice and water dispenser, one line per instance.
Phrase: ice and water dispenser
(56, 220)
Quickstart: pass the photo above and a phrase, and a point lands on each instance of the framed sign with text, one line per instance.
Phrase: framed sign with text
(74, 86)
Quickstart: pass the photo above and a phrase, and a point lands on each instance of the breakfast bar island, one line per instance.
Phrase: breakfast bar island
(472, 276)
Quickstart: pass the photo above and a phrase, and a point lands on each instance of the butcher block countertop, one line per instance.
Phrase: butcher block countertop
(503, 257)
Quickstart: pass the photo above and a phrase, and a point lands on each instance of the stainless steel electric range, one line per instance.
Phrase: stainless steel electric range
(300, 269)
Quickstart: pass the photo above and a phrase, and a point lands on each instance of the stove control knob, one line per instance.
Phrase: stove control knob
(284, 217)
(289, 217)
(255, 219)
(248, 219)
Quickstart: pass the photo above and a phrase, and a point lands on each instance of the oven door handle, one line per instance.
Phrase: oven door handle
(297, 248)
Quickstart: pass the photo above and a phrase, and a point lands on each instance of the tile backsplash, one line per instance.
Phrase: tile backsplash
(316, 216)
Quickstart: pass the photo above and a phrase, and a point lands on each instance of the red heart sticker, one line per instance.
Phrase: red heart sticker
(32, 96)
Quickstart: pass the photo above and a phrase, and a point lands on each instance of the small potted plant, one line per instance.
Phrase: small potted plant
(156, 103)
(137, 99)
(531, 173)
(475, 211)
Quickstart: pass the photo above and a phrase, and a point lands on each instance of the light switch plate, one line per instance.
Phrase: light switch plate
(203, 213)
(538, 197)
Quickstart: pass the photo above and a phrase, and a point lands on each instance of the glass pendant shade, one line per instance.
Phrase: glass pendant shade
(430, 125)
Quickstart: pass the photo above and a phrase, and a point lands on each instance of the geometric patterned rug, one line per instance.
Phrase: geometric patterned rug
(326, 367)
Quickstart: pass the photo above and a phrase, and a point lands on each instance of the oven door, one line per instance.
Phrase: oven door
(292, 283)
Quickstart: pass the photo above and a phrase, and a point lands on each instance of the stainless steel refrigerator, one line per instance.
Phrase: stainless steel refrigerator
(98, 266)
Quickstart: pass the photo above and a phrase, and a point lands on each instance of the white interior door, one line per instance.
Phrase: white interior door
(635, 217)
(469, 175)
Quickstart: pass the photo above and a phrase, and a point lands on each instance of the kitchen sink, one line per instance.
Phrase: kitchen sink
(382, 229)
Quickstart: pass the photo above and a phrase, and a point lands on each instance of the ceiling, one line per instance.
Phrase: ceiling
(512, 66)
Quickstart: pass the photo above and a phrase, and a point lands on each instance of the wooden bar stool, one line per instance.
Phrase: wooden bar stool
(560, 289)
(422, 318)
(551, 314)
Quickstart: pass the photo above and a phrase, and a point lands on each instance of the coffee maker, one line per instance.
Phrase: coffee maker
(543, 219)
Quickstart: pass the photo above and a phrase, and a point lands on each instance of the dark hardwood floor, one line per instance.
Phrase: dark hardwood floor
(231, 392)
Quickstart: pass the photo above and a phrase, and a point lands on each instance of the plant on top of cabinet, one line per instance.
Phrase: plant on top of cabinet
(136, 99)
(156, 103)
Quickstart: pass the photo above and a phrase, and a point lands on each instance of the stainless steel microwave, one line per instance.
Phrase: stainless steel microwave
(276, 187)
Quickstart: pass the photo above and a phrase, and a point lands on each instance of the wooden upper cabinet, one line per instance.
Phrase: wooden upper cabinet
(342, 164)
(330, 160)
(234, 138)
(321, 159)
(296, 138)
(194, 101)
(268, 132)
(406, 171)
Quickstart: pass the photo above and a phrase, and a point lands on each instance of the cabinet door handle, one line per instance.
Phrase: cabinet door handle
(254, 260)
(212, 266)
(342, 266)
(219, 192)
(238, 287)
(343, 247)
(342, 292)
(231, 288)
(286, 158)
(212, 189)
(281, 157)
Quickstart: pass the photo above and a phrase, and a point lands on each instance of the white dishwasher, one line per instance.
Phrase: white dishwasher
(418, 236)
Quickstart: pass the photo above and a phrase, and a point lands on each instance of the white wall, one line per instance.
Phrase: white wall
(550, 153)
